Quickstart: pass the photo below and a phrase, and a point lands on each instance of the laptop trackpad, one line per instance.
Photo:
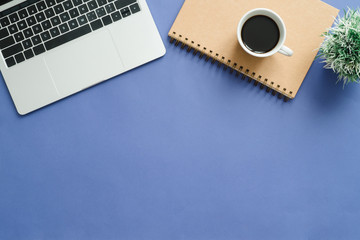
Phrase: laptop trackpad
(84, 62)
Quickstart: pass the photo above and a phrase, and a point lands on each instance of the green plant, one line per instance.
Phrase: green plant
(341, 48)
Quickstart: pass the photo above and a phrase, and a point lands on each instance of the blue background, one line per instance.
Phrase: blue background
(178, 149)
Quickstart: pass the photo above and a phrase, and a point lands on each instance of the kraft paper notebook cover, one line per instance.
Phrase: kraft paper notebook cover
(210, 26)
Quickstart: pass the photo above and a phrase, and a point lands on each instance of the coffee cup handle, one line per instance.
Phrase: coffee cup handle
(286, 51)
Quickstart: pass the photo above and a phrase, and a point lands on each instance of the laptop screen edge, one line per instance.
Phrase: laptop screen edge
(5, 4)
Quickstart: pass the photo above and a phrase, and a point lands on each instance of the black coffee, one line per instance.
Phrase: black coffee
(260, 34)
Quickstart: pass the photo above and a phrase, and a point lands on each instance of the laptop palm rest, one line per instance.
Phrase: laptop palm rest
(84, 62)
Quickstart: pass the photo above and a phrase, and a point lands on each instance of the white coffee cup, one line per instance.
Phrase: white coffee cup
(280, 47)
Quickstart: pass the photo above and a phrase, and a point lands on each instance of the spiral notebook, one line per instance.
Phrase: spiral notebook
(208, 28)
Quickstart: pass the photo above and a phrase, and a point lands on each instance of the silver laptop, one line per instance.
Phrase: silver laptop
(51, 49)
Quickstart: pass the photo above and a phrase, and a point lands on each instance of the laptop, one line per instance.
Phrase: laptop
(51, 49)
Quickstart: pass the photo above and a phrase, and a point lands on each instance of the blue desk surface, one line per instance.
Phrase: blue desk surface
(178, 149)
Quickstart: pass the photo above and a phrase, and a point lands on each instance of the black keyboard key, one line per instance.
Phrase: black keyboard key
(39, 49)
(83, 9)
(91, 16)
(32, 10)
(123, 3)
(116, 16)
(27, 44)
(125, 12)
(13, 29)
(23, 14)
(100, 12)
(37, 29)
(10, 62)
(92, 5)
(67, 37)
(14, 17)
(19, 57)
(41, 6)
(50, 3)
(54, 32)
(101, 2)
(31, 21)
(59, 9)
(19, 36)
(73, 24)
(96, 24)
(77, 2)
(67, 5)
(36, 40)
(59, 1)
(55, 21)
(6, 42)
(46, 25)
(74, 13)
(135, 8)
(40, 17)
(49, 12)
(28, 33)
(14, 49)
(4, 22)
(21, 25)
(65, 17)
(45, 36)
(64, 28)
(82, 20)
(106, 20)
(28, 54)
(4, 33)
(110, 8)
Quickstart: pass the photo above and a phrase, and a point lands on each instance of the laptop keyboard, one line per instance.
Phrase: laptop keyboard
(34, 27)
